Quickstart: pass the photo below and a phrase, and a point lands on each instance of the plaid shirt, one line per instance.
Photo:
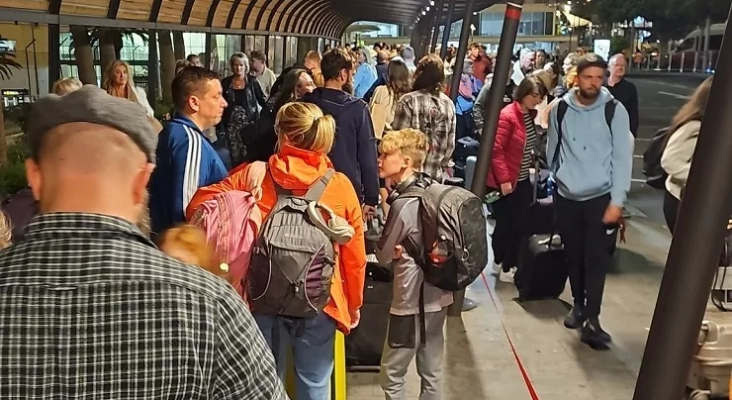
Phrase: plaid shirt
(434, 115)
(90, 309)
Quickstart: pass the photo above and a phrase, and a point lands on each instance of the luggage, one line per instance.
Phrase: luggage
(541, 210)
(652, 169)
(469, 171)
(542, 271)
(366, 342)
(709, 377)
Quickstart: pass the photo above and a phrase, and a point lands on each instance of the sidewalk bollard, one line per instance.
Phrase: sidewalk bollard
(338, 388)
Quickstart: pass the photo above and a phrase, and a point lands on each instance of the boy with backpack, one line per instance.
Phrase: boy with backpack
(401, 156)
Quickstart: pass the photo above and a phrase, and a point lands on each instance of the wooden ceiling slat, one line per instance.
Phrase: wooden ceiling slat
(35, 5)
(171, 11)
(222, 12)
(91, 8)
(137, 10)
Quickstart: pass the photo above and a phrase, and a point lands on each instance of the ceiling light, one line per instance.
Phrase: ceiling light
(428, 8)
(424, 12)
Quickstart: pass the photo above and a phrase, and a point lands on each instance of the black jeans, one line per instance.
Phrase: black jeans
(670, 210)
(588, 243)
(512, 218)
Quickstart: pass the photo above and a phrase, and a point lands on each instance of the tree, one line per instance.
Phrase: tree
(7, 65)
(167, 65)
(81, 43)
(179, 45)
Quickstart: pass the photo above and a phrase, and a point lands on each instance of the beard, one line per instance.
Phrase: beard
(348, 87)
(589, 95)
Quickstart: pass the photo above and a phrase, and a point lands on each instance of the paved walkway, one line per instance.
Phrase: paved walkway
(479, 362)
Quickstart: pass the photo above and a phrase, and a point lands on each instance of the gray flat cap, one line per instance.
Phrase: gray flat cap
(93, 105)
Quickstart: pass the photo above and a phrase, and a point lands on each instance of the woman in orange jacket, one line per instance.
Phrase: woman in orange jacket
(305, 137)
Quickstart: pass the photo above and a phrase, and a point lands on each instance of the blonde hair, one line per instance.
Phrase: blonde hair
(109, 77)
(315, 57)
(304, 126)
(409, 142)
(192, 239)
(6, 230)
(180, 64)
(569, 80)
(239, 56)
(66, 86)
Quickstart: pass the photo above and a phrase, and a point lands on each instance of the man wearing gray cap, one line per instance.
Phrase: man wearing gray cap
(186, 159)
(90, 308)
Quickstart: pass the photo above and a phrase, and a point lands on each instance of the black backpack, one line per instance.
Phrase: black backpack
(652, 169)
(454, 248)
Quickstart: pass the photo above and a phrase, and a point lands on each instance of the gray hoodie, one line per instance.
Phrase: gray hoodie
(593, 159)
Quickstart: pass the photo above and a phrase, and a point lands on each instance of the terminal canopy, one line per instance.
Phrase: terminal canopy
(322, 18)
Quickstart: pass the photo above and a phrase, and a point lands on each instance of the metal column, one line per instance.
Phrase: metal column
(446, 30)
(153, 68)
(695, 248)
(493, 105)
(495, 95)
(459, 297)
(54, 55)
(439, 5)
(462, 49)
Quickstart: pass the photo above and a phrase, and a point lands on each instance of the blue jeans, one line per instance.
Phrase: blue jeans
(312, 347)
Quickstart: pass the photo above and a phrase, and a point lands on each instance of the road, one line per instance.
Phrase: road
(659, 98)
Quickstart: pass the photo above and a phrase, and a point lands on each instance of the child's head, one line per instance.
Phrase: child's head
(6, 230)
(187, 243)
(401, 153)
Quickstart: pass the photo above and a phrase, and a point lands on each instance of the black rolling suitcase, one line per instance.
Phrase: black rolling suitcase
(542, 272)
(541, 210)
(366, 342)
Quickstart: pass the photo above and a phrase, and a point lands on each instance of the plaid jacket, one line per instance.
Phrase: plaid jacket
(90, 309)
(433, 115)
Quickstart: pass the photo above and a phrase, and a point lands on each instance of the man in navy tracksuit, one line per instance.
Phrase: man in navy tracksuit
(186, 160)
(354, 150)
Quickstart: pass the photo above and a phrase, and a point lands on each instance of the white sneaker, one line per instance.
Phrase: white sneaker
(507, 277)
(496, 269)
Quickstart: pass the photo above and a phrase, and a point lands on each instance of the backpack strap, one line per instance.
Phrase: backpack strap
(610, 107)
(316, 189)
(562, 108)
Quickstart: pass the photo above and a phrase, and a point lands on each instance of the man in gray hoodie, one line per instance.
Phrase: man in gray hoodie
(590, 152)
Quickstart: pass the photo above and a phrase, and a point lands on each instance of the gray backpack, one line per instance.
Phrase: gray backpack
(292, 259)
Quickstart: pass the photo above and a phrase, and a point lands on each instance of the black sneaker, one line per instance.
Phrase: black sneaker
(594, 335)
(575, 319)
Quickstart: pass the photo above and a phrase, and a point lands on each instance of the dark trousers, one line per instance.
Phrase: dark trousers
(588, 243)
(512, 219)
(670, 210)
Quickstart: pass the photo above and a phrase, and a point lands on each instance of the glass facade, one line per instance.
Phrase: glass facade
(531, 24)
(384, 30)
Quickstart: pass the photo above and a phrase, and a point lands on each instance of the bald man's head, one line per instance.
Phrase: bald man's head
(88, 166)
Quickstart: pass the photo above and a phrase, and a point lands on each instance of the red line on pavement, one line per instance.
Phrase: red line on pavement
(522, 370)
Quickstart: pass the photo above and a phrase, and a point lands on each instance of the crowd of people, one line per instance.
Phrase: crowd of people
(99, 295)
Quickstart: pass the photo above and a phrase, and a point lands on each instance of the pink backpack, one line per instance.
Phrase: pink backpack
(231, 221)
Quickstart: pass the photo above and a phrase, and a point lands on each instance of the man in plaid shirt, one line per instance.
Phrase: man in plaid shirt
(89, 308)
(429, 110)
